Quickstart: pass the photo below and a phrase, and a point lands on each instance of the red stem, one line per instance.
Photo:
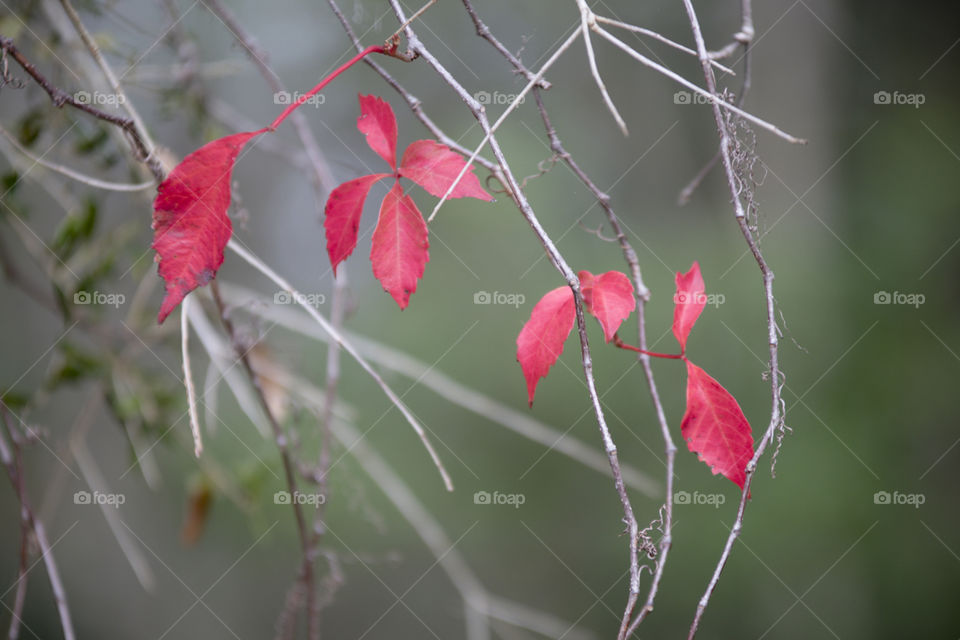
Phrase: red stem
(375, 48)
(629, 347)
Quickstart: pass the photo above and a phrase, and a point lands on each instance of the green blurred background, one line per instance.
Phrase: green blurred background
(869, 206)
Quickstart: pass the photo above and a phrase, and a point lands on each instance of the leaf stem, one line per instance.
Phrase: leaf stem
(629, 347)
(374, 48)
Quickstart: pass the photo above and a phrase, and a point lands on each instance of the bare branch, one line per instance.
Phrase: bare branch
(90, 181)
(188, 378)
(142, 147)
(260, 266)
(656, 36)
(459, 394)
(775, 375)
(587, 21)
(14, 468)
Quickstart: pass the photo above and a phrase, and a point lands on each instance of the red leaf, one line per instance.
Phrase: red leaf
(689, 301)
(342, 216)
(378, 123)
(190, 222)
(714, 426)
(609, 297)
(399, 252)
(434, 167)
(541, 340)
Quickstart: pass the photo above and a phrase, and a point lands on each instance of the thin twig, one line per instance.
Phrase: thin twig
(188, 378)
(656, 36)
(337, 313)
(260, 266)
(714, 99)
(14, 470)
(94, 50)
(588, 20)
(550, 248)
(772, 329)
(430, 377)
(743, 38)
(90, 181)
(59, 97)
(643, 295)
(489, 129)
(280, 438)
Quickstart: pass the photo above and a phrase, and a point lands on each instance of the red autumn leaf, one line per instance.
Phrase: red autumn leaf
(399, 253)
(541, 340)
(434, 167)
(342, 216)
(378, 123)
(714, 426)
(689, 301)
(609, 297)
(190, 222)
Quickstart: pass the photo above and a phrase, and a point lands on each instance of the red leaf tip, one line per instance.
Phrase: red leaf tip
(689, 301)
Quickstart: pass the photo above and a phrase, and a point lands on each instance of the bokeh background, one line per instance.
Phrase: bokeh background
(868, 207)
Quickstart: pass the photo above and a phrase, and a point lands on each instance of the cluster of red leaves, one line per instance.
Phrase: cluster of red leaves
(713, 425)
(399, 251)
(192, 228)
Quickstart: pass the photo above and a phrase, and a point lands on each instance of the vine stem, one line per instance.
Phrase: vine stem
(374, 48)
(776, 418)
(629, 347)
